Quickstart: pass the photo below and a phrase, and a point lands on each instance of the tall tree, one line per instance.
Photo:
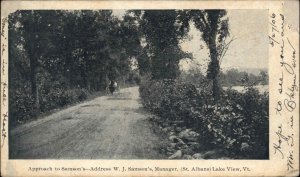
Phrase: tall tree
(36, 44)
(162, 35)
(137, 46)
(214, 27)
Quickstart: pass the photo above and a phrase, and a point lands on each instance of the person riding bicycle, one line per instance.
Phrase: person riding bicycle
(116, 86)
(112, 87)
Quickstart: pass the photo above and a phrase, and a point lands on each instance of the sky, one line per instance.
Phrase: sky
(248, 50)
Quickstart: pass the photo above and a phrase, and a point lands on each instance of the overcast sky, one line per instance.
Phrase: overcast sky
(248, 50)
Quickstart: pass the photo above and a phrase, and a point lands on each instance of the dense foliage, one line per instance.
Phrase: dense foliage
(161, 31)
(237, 123)
(60, 57)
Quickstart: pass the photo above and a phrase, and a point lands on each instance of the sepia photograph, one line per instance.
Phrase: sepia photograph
(149, 88)
(138, 84)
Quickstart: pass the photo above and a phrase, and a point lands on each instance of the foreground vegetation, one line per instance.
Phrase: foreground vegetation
(237, 124)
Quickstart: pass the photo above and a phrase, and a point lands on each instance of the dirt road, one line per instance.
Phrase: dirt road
(108, 127)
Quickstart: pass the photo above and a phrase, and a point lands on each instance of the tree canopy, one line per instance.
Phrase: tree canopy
(53, 50)
(214, 28)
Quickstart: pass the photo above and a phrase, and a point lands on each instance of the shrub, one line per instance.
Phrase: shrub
(58, 97)
(82, 94)
(240, 120)
(22, 106)
(237, 123)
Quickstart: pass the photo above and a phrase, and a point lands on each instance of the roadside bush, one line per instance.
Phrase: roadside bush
(58, 97)
(238, 123)
(82, 94)
(22, 106)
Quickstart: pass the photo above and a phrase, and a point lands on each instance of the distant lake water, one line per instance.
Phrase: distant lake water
(260, 88)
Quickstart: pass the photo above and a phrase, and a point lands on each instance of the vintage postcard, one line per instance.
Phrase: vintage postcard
(149, 88)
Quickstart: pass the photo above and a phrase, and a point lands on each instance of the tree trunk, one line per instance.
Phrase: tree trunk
(216, 89)
(100, 82)
(214, 69)
(30, 46)
(33, 72)
(33, 80)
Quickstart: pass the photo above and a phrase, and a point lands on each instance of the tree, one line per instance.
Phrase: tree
(56, 56)
(214, 27)
(162, 34)
(264, 78)
(35, 45)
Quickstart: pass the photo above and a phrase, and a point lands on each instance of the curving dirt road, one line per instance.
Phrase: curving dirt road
(108, 127)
